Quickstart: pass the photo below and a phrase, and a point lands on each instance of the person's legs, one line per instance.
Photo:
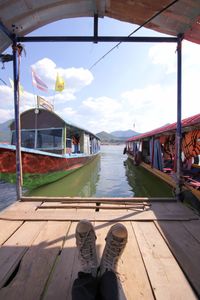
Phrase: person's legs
(116, 240)
(85, 286)
(108, 287)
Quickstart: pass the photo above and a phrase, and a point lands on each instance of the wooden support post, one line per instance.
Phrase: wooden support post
(17, 121)
(95, 28)
(179, 113)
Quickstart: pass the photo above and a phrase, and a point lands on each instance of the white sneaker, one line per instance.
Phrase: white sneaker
(85, 241)
(115, 243)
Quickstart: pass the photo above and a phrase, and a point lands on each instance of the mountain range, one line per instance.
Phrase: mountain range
(114, 137)
(118, 136)
(5, 133)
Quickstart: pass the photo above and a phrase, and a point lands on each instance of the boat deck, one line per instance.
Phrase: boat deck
(38, 255)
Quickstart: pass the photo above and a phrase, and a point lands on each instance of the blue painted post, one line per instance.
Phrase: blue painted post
(17, 121)
(179, 115)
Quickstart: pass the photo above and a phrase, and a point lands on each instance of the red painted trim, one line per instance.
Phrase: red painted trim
(38, 164)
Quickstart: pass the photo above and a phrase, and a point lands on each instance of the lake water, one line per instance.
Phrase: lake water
(111, 175)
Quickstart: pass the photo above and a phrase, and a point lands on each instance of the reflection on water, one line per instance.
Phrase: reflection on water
(145, 184)
(79, 183)
(110, 175)
(113, 180)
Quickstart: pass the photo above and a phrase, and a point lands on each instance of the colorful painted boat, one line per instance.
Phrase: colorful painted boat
(155, 151)
(51, 148)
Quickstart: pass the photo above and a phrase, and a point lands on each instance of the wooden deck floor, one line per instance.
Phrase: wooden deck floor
(38, 256)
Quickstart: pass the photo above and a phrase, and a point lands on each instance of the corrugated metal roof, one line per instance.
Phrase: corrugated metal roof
(24, 16)
(191, 121)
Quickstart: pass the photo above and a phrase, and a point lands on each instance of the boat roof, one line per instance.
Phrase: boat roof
(188, 122)
(178, 17)
(67, 122)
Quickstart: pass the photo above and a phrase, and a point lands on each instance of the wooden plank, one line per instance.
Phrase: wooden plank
(57, 205)
(119, 207)
(7, 228)
(172, 208)
(63, 215)
(185, 247)
(194, 228)
(37, 264)
(21, 207)
(158, 207)
(15, 247)
(44, 204)
(96, 199)
(110, 202)
(165, 275)
(134, 283)
(60, 283)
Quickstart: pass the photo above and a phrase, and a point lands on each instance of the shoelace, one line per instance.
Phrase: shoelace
(86, 254)
(113, 252)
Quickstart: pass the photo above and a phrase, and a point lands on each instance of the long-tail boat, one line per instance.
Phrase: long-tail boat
(51, 148)
(155, 151)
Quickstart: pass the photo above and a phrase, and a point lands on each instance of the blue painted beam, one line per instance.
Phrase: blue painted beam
(93, 39)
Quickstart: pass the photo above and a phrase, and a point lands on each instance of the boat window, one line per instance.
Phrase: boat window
(68, 143)
(27, 138)
(49, 139)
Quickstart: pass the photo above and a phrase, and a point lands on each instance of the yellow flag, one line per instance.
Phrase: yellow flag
(60, 84)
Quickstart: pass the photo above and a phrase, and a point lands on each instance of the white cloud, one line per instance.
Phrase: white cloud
(6, 96)
(67, 113)
(102, 105)
(6, 114)
(152, 106)
(74, 78)
(27, 100)
(165, 55)
(145, 107)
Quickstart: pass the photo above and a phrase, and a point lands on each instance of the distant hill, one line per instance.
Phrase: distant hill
(106, 137)
(115, 136)
(124, 133)
(5, 133)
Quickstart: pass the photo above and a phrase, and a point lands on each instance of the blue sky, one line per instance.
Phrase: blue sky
(134, 84)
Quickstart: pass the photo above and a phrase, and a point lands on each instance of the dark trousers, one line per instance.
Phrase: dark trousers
(86, 287)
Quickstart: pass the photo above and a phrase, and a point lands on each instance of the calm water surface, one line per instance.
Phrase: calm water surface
(111, 174)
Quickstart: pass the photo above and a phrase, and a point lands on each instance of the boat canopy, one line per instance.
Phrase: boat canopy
(176, 17)
(49, 117)
(186, 123)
